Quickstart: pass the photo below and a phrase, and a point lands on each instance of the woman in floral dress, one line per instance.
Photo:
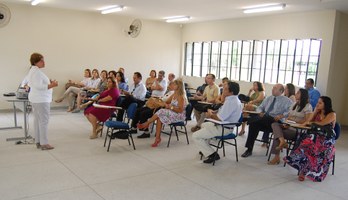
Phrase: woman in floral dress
(315, 153)
(173, 112)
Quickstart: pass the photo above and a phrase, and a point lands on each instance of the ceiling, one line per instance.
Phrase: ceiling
(199, 10)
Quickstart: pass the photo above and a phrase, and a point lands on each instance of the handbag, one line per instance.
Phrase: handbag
(154, 103)
(326, 130)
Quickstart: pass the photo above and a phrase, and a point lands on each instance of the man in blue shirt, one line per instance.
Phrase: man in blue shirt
(272, 109)
(314, 94)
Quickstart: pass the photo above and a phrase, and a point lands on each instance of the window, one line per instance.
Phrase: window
(267, 61)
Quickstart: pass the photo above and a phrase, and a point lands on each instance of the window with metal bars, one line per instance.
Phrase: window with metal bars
(267, 61)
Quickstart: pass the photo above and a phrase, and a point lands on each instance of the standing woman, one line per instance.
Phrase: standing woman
(40, 97)
(173, 111)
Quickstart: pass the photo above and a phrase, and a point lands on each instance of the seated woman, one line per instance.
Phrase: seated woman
(290, 92)
(94, 115)
(174, 111)
(121, 82)
(313, 156)
(257, 95)
(300, 113)
(150, 80)
(88, 90)
(72, 92)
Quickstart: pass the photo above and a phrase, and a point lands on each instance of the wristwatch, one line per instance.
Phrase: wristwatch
(171, 107)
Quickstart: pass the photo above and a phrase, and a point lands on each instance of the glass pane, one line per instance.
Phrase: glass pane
(188, 61)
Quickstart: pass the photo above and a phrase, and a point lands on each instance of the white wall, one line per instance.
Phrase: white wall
(338, 84)
(72, 40)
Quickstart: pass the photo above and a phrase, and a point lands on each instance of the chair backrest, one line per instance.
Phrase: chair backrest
(119, 101)
(131, 110)
(337, 130)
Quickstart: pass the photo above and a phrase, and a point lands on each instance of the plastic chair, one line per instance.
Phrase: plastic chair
(338, 133)
(181, 124)
(114, 126)
(224, 138)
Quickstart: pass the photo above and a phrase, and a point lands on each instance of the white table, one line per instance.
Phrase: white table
(24, 105)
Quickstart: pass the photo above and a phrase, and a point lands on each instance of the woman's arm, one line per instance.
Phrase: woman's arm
(330, 118)
(180, 108)
(259, 98)
(105, 99)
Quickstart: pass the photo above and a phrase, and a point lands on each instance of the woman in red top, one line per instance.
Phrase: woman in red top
(108, 98)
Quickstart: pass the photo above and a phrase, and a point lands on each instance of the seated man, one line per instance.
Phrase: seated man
(272, 109)
(135, 94)
(159, 86)
(211, 92)
(229, 112)
(314, 94)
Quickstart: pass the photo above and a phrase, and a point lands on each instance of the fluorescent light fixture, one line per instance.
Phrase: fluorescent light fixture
(35, 2)
(266, 8)
(177, 19)
(111, 9)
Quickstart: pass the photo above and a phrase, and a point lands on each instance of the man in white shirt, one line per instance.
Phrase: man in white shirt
(159, 86)
(229, 112)
(135, 94)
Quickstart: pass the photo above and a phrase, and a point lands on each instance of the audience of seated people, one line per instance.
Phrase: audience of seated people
(95, 92)
(174, 111)
(211, 92)
(72, 92)
(313, 156)
(255, 97)
(109, 98)
(229, 112)
(272, 109)
(299, 112)
(314, 94)
(87, 91)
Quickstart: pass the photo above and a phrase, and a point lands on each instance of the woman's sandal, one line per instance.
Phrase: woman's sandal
(156, 143)
(46, 147)
(301, 177)
(143, 126)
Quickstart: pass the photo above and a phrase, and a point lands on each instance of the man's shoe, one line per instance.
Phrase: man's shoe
(213, 157)
(132, 131)
(247, 153)
(144, 135)
(195, 128)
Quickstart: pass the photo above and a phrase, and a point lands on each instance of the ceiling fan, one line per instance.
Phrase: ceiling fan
(5, 15)
(134, 28)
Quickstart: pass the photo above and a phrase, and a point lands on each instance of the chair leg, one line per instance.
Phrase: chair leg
(106, 137)
(186, 135)
(170, 136)
(131, 137)
(236, 149)
(333, 165)
(269, 154)
(109, 141)
(176, 133)
(223, 147)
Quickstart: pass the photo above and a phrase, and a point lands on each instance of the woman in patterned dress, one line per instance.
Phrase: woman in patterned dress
(315, 153)
(173, 112)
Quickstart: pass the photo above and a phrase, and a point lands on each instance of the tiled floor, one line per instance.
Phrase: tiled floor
(80, 168)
